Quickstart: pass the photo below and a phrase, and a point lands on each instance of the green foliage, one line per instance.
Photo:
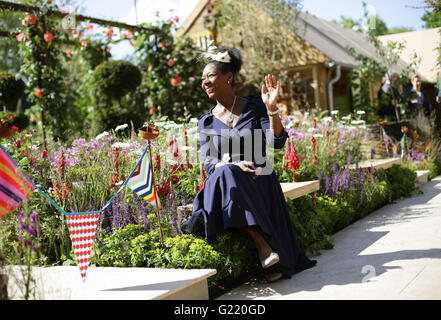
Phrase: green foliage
(11, 89)
(171, 83)
(115, 79)
(432, 14)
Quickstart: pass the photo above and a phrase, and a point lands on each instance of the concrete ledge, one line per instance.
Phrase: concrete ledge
(106, 283)
(293, 190)
(422, 177)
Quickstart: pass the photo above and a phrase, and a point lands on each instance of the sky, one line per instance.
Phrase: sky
(396, 13)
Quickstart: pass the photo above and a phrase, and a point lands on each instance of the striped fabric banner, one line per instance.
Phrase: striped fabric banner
(82, 229)
(14, 186)
(141, 182)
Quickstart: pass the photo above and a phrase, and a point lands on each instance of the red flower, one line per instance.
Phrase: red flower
(152, 111)
(18, 143)
(32, 19)
(174, 82)
(156, 161)
(109, 32)
(15, 128)
(38, 93)
(68, 52)
(60, 166)
(312, 144)
(48, 37)
(176, 18)
(170, 21)
(171, 62)
(44, 154)
(161, 44)
(90, 26)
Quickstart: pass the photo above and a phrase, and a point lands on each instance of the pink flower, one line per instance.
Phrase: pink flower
(176, 18)
(68, 52)
(20, 37)
(171, 62)
(84, 44)
(48, 37)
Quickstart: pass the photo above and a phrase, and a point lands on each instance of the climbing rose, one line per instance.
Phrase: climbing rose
(38, 93)
(20, 37)
(48, 37)
(162, 44)
(109, 32)
(171, 62)
(32, 19)
(18, 143)
(68, 52)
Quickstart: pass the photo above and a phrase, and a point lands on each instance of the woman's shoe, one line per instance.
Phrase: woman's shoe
(270, 261)
(273, 277)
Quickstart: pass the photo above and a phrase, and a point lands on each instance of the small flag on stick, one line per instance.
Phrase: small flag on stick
(141, 182)
(82, 229)
(14, 186)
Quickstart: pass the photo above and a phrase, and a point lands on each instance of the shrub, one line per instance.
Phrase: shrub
(11, 89)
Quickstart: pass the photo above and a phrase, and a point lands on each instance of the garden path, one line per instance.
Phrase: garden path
(393, 253)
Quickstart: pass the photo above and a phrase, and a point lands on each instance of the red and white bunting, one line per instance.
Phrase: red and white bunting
(82, 229)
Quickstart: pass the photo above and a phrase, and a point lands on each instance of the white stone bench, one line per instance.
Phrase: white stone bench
(422, 177)
(377, 163)
(108, 283)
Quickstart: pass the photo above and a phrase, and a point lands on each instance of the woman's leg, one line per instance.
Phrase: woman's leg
(262, 246)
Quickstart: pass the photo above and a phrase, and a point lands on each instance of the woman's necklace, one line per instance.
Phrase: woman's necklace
(230, 117)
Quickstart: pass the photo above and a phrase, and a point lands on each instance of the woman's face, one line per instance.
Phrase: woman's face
(214, 83)
(416, 82)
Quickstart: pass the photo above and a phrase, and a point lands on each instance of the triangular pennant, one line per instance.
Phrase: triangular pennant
(14, 186)
(141, 182)
(82, 229)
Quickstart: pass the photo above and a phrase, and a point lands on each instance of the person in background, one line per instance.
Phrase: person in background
(418, 101)
(388, 96)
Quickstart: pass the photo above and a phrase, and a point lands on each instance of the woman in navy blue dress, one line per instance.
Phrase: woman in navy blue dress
(242, 190)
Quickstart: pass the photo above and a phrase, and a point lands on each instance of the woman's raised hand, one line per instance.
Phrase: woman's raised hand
(270, 92)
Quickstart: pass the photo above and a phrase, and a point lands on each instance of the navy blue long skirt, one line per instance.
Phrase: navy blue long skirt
(231, 199)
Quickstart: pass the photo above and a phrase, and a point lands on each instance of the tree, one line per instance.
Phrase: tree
(264, 31)
(432, 14)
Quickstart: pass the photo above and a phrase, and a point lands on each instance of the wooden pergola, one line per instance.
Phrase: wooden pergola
(5, 5)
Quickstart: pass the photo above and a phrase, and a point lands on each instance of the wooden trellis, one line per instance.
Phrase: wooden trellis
(5, 5)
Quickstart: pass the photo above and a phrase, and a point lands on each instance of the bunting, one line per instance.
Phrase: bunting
(14, 186)
(142, 184)
(82, 229)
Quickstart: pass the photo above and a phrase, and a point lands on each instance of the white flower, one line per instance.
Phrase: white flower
(172, 162)
(334, 111)
(226, 157)
(221, 57)
(194, 120)
(122, 145)
(119, 183)
(122, 126)
(317, 135)
(346, 117)
(102, 135)
(360, 112)
(327, 119)
(192, 130)
(185, 148)
(358, 122)
(311, 129)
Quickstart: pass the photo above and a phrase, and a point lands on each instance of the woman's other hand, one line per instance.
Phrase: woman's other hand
(246, 167)
(270, 92)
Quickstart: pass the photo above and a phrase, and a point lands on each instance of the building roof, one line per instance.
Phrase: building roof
(334, 40)
(331, 39)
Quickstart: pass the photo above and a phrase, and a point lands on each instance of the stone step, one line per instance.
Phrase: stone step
(109, 283)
